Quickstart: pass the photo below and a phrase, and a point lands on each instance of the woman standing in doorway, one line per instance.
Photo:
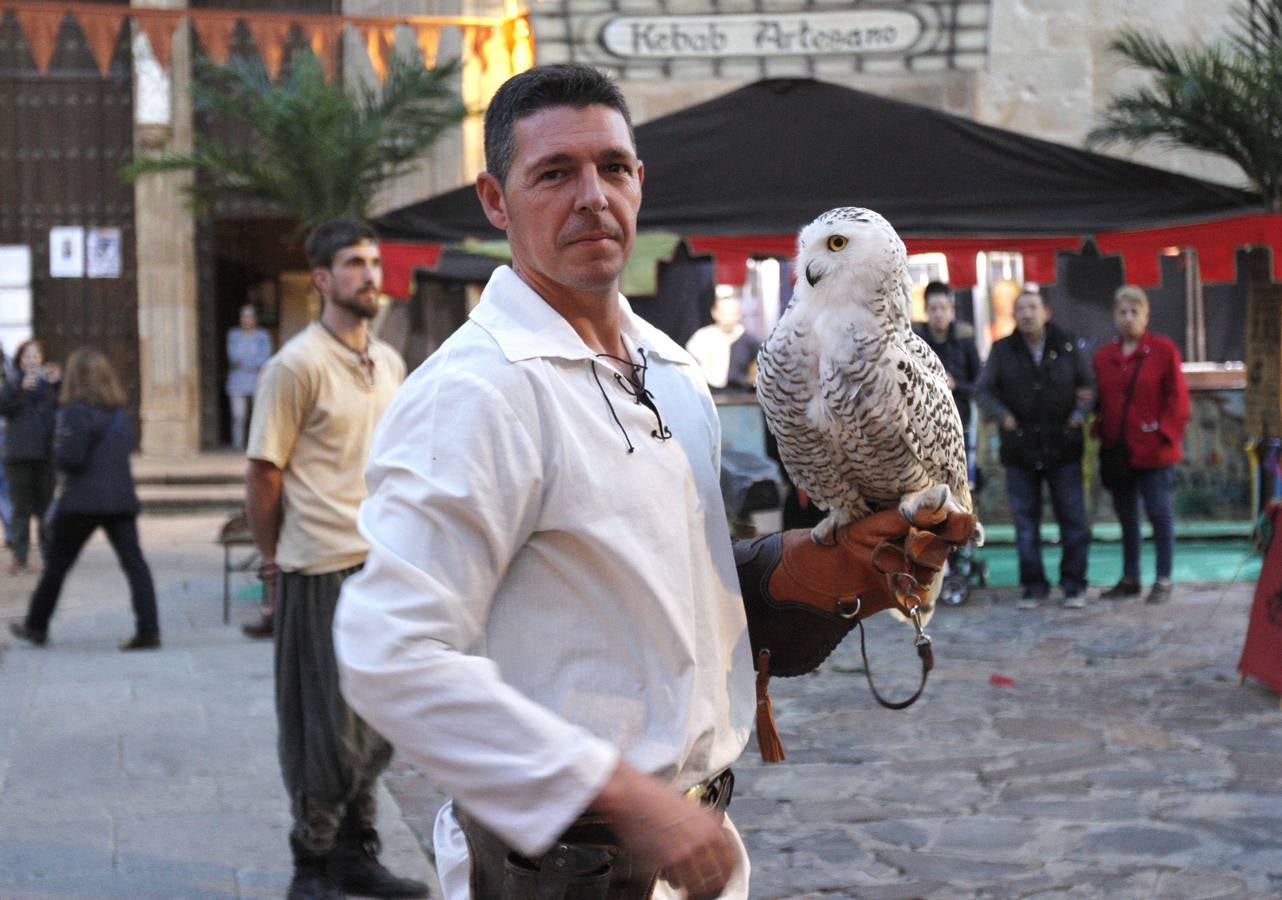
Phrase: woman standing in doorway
(92, 447)
(28, 402)
(248, 348)
(1144, 404)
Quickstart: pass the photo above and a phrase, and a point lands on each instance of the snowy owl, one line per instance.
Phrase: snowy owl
(859, 404)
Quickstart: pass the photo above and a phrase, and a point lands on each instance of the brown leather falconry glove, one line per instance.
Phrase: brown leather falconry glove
(802, 598)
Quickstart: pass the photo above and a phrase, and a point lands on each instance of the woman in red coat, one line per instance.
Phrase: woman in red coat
(1153, 432)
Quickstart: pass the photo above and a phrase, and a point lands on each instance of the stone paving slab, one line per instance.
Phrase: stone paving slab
(1114, 757)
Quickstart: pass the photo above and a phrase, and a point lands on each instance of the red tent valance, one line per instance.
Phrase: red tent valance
(1216, 243)
(400, 259)
(732, 253)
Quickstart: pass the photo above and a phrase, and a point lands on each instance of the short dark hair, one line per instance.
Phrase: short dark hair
(564, 84)
(937, 287)
(327, 238)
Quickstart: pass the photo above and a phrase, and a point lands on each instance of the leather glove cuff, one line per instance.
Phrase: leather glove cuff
(801, 599)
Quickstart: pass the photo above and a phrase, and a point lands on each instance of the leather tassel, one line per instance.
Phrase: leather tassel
(768, 741)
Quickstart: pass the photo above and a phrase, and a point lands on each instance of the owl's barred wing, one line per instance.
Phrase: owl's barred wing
(787, 378)
(900, 428)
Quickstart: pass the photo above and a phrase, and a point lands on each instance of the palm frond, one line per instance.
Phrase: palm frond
(315, 150)
(1221, 98)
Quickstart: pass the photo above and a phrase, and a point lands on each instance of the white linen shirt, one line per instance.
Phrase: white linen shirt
(537, 600)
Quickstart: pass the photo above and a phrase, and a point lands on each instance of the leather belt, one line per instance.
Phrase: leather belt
(587, 862)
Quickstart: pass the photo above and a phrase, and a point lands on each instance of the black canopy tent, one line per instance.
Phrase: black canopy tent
(739, 174)
(769, 157)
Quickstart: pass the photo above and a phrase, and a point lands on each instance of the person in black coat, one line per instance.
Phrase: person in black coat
(1039, 385)
(28, 401)
(92, 444)
(954, 344)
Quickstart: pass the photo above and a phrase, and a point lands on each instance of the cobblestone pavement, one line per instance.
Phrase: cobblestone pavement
(1106, 752)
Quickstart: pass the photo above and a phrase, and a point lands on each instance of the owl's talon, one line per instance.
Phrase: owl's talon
(926, 507)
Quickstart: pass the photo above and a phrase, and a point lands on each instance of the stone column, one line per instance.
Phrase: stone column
(165, 229)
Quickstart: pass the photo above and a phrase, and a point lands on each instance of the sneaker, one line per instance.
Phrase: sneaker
(1123, 590)
(1031, 599)
(30, 635)
(1074, 599)
(1160, 592)
(144, 640)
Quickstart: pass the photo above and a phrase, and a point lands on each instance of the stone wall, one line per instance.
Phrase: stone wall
(1039, 67)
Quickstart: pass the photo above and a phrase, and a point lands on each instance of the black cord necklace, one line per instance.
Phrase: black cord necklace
(362, 356)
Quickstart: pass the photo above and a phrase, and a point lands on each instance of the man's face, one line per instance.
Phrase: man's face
(726, 313)
(570, 202)
(353, 280)
(1031, 316)
(1131, 319)
(939, 312)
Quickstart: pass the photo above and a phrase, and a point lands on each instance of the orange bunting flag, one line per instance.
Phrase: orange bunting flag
(41, 31)
(324, 42)
(101, 30)
(270, 35)
(215, 33)
(477, 37)
(429, 38)
(160, 34)
(379, 41)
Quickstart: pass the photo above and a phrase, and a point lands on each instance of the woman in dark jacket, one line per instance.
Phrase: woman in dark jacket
(92, 447)
(1153, 432)
(28, 402)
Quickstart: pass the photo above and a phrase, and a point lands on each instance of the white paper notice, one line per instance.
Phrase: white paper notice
(67, 252)
(102, 252)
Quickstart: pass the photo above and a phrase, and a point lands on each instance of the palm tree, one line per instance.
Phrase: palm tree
(316, 151)
(1223, 98)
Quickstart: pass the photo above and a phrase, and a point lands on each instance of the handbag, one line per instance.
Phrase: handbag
(1115, 462)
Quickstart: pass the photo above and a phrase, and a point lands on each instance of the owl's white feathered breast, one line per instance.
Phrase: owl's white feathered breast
(859, 403)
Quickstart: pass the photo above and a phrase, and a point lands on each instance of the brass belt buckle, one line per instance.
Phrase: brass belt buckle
(697, 793)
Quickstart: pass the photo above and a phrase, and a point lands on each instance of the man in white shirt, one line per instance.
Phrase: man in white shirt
(724, 349)
(549, 620)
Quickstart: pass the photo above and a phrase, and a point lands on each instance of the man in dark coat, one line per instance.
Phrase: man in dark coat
(1039, 386)
(954, 344)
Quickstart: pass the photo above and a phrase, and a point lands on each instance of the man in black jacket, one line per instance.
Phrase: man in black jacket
(1039, 385)
(954, 344)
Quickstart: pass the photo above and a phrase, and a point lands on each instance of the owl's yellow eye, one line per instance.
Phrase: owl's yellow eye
(837, 242)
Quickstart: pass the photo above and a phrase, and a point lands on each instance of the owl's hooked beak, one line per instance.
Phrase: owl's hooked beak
(811, 276)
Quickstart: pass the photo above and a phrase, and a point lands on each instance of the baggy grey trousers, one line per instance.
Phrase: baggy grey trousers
(329, 758)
